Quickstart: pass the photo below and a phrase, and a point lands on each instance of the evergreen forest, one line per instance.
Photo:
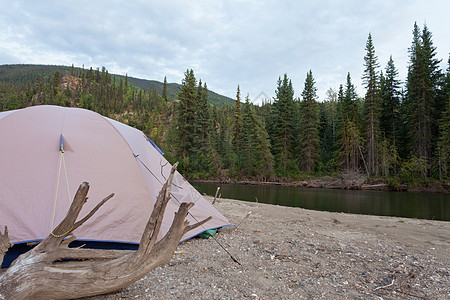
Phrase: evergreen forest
(398, 131)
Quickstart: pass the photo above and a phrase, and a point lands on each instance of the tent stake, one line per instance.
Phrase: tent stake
(248, 214)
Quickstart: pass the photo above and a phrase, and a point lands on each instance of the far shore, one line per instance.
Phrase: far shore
(342, 182)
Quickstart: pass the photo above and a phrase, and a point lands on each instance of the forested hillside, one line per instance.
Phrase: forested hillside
(399, 130)
(24, 74)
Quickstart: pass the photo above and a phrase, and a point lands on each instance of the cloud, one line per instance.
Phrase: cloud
(227, 43)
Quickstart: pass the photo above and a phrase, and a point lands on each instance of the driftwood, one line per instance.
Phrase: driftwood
(4, 243)
(40, 273)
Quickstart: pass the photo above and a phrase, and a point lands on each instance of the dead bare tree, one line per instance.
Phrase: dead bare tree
(40, 273)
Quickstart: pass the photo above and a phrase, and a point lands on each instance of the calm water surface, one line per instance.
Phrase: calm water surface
(400, 204)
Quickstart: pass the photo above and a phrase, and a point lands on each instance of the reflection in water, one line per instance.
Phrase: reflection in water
(400, 204)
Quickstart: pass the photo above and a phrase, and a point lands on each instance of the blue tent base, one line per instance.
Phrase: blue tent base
(21, 248)
(14, 252)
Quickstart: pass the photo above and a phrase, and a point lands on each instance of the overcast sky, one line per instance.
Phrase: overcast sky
(226, 43)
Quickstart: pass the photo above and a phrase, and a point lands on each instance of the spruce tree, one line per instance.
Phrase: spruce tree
(225, 141)
(422, 87)
(118, 104)
(443, 93)
(343, 148)
(246, 162)
(443, 147)
(202, 129)
(442, 156)
(390, 103)
(237, 131)
(309, 126)
(256, 156)
(371, 105)
(164, 91)
(214, 144)
(186, 110)
(284, 116)
(56, 80)
(204, 109)
(349, 138)
(350, 106)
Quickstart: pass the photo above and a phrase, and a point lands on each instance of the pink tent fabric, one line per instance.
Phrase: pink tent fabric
(38, 181)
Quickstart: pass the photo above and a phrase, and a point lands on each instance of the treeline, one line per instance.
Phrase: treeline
(398, 131)
(395, 131)
(24, 74)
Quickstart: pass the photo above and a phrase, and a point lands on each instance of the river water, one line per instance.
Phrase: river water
(432, 206)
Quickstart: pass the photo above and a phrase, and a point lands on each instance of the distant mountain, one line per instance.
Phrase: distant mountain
(27, 73)
(24, 74)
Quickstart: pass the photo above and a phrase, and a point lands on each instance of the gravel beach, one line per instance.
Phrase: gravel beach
(293, 253)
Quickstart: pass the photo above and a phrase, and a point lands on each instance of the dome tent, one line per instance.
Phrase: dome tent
(46, 152)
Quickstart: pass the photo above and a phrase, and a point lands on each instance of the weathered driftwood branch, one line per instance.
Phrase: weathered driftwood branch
(40, 273)
(4, 243)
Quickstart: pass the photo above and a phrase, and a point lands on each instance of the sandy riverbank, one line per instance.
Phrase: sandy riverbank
(293, 253)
